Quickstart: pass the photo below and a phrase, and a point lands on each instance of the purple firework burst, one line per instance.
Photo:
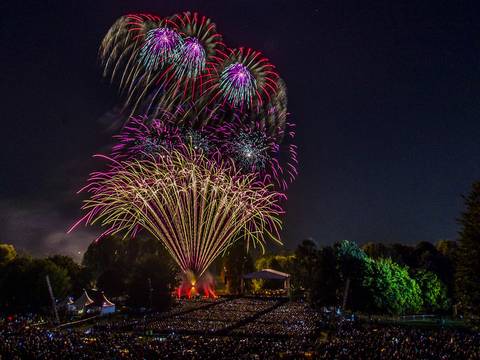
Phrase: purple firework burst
(142, 138)
(191, 59)
(254, 151)
(160, 47)
(237, 84)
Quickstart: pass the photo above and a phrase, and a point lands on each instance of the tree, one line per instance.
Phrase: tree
(59, 280)
(351, 262)
(468, 267)
(448, 248)
(7, 254)
(377, 250)
(16, 294)
(403, 254)
(24, 286)
(151, 282)
(323, 285)
(106, 253)
(113, 281)
(80, 277)
(236, 263)
(434, 292)
(390, 288)
(111, 260)
(304, 264)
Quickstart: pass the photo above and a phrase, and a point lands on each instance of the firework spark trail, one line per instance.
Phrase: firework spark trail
(206, 145)
(194, 206)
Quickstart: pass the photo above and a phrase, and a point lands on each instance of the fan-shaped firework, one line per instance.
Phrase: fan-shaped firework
(120, 48)
(194, 206)
(202, 43)
(244, 79)
(199, 168)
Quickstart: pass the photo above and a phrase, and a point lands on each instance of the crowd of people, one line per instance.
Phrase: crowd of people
(243, 328)
(288, 319)
(352, 340)
(202, 329)
(206, 319)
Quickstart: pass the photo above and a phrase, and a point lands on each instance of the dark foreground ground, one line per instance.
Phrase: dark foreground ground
(234, 329)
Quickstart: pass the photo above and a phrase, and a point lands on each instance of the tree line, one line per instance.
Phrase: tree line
(139, 271)
(375, 278)
(383, 278)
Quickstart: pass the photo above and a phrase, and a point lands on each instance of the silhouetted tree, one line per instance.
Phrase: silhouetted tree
(113, 281)
(468, 268)
(351, 261)
(105, 254)
(377, 250)
(80, 276)
(237, 262)
(24, 286)
(304, 265)
(151, 283)
(325, 281)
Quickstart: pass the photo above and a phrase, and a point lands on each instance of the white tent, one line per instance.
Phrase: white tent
(107, 307)
(79, 306)
(101, 304)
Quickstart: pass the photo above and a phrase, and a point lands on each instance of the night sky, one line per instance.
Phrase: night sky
(385, 96)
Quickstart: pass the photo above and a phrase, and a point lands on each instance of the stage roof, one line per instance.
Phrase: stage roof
(267, 274)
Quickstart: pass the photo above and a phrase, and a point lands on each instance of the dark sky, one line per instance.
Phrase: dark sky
(385, 95)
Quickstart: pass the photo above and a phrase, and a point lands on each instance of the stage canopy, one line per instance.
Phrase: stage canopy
(81, 303)
(267, 274)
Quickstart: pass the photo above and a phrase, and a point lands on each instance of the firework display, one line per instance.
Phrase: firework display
(193, 205)
(206, 156)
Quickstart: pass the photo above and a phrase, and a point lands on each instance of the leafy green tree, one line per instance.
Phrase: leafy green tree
(468, 267)
(434, 292)
(390, 288)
